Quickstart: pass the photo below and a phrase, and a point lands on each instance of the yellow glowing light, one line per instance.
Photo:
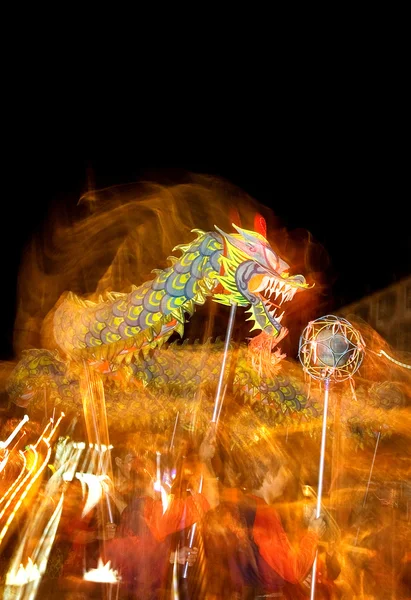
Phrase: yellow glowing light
(55, 427)
(43, 435)
(397, 362)
(21, 474)
(30, 482)
(26, 478)
(14, 432)
(3, 463)
(306, 491)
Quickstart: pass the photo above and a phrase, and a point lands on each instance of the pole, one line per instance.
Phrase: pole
(174, 432)
(371, 470)
(217, 408)
(369, 481)
(320, 477)
(192, 532)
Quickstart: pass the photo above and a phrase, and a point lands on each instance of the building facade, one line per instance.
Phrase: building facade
(388, 311)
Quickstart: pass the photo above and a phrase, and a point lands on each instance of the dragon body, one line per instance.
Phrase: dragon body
(128, 330)
(181, 378)
(175, 378)
(239, 268)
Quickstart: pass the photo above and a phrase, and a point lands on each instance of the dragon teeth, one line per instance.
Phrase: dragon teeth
(279, 288)
(265, 282)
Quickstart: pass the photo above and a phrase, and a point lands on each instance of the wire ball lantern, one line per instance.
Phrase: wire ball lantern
(331, 349)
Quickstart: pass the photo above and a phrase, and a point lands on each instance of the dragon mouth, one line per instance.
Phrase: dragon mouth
(273, 293)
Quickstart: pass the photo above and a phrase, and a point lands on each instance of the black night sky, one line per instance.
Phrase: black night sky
(350, 194)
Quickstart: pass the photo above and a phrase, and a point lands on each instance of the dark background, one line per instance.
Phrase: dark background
(348, 187)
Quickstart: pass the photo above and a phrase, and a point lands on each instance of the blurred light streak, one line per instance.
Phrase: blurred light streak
(13, 434)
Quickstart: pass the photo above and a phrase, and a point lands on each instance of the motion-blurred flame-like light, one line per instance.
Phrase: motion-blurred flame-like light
(103, 573)
(24, 575)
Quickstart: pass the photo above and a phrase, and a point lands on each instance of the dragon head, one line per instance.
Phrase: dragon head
(253, 274)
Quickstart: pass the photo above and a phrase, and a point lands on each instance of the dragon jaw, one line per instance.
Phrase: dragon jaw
(255, 275)
(267, 294)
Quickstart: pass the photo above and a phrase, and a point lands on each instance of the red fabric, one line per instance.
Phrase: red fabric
(179, 514)
(82, 554)
(141, 548)
(292, 564)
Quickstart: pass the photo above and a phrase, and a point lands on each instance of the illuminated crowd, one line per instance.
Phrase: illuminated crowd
(146, 517)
